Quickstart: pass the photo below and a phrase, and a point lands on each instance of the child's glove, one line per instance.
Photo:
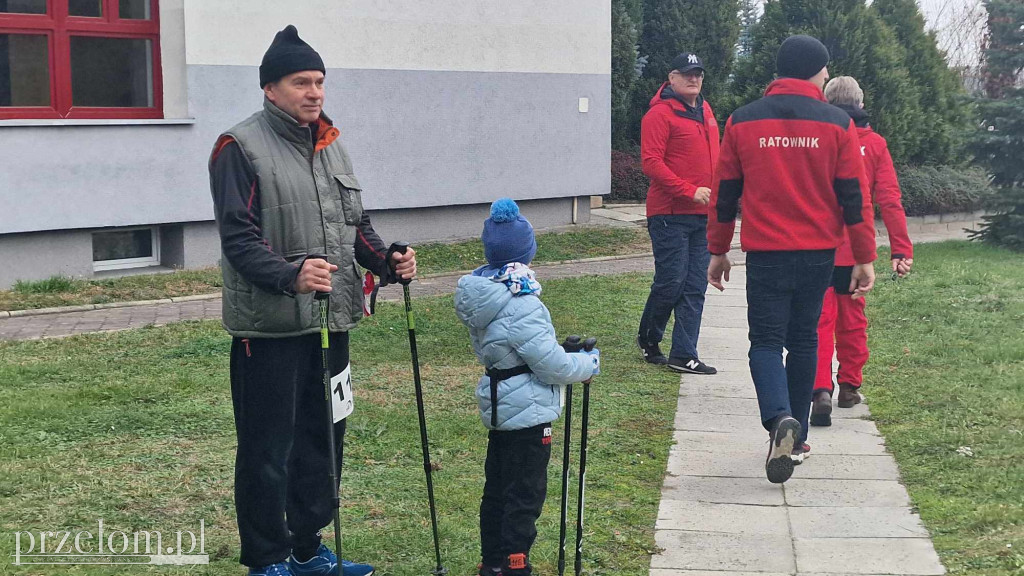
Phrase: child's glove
(595, 355)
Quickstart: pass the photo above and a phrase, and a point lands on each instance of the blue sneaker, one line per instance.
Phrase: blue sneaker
(279, 569)
(325, 563)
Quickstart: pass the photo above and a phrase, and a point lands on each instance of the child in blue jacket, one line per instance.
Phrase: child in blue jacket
(514, 339)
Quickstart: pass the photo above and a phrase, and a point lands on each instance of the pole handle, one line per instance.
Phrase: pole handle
(400, 248)
(318, 295)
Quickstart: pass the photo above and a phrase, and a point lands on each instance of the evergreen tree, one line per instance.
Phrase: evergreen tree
(1004, 46)
(625, 37)
(861, 45)
(708, 28)
(943, 119)
(748, 18)
(999, 145)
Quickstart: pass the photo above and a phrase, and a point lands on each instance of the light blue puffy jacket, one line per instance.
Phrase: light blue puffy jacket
(509, 331)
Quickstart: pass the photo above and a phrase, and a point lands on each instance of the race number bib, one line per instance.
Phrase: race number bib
(341, 387)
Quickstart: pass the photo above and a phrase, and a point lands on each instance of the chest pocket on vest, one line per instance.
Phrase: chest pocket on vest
(686, 133)
(351, 197)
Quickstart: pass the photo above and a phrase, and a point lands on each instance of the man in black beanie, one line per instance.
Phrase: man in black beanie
(291, 221)
(796, 162)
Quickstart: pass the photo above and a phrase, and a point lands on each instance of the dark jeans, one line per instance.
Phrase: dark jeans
(680, 243)
(515, 486)
(282, 492)
(784, 295)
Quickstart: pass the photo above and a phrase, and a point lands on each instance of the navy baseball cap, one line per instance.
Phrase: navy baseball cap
(687, 61)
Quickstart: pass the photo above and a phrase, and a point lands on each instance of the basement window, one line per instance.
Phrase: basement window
(125, 248)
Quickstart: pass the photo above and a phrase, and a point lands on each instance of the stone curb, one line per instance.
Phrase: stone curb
(106, 306)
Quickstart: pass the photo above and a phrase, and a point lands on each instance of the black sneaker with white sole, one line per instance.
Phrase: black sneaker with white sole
(779, 465)
(651, 352)
(690, 366)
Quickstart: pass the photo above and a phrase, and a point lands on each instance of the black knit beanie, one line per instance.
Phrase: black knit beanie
(801, 57)
(288, 54)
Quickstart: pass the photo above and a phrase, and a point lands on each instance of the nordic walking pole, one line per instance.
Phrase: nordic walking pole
(571, 344)
(588, 346)
(401, 247)
(323, 298)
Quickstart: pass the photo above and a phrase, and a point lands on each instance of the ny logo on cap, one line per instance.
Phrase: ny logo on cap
(692, 59)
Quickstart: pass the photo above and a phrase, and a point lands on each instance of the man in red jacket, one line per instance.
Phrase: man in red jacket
(679, 147)
(795, 161)
(843, 326)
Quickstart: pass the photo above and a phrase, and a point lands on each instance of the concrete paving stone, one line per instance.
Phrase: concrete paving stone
(745, 441)
(724, 388)
(673, 572)
(847, 467)
(723, 518)
(859, 411)
(858, 425)
(823, 522)
(849, 442)
(717, 350)
(710, 551)
(753, 491)
(843, 493)
(711, 405)
(910, 556)
(716, 464)
(703, 422)
(751, 465)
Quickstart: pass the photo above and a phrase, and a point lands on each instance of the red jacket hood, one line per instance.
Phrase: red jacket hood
(673, 102)
(795, 87)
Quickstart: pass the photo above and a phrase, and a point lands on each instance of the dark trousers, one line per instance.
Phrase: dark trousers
(680, 243)
(282, 491)
(784, 296)
(514, 490)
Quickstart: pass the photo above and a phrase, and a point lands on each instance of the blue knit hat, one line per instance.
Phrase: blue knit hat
(507, 236)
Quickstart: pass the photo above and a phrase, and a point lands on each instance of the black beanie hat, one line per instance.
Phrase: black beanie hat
(801, 57)
(288, 54)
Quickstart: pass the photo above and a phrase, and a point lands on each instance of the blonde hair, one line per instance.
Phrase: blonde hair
(844, 90)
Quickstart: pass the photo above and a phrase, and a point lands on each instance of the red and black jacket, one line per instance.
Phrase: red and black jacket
(885, 191)
(679, 150)
(795, 161)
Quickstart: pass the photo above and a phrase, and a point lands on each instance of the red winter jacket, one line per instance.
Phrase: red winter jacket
(885, 191)
(795, 161)
(679, 150)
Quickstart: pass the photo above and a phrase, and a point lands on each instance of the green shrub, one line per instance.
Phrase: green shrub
(943, 189)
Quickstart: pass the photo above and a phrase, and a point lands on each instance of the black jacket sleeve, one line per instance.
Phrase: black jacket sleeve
(236, 204)
(371, 252)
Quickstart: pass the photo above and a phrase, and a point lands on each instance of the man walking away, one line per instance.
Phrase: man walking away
(795, 162)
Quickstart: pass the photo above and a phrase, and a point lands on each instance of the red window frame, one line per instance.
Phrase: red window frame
(59, 27)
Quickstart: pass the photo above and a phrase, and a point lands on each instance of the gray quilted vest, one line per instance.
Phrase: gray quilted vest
(310, 203)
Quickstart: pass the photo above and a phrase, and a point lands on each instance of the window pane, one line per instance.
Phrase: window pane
(92, 8)
(134, 9)
(24, 70)
(23, 6)
(121, 245)
(111, 72)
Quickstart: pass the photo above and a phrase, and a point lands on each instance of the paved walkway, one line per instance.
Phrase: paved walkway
(844, 511)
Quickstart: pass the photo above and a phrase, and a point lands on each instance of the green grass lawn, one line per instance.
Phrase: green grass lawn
(947, 375)
(136, 428)
(434, 258)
